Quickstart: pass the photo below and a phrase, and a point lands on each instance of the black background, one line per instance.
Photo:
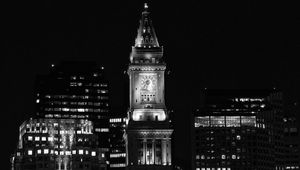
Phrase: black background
(213, 44)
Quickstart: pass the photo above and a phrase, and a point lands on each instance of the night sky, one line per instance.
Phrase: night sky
(213, 44)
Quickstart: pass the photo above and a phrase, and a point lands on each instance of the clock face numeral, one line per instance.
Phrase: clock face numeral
(148, 85)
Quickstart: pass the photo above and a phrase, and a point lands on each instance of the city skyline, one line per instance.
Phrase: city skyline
(181, 56)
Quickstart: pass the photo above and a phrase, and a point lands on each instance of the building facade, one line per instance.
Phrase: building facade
(292, 139)
(239, 129)
(61, 144)
(76, 90)
(148, 132)
(71, 126)
(117, 156)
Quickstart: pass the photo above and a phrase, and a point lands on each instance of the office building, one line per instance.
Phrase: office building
(61, 144)
(117, 156)
(76, 90)
(239, 129)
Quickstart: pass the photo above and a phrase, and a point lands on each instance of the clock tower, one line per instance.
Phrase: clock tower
(148, 132)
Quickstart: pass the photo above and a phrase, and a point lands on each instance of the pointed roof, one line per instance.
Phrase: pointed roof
(146, 36)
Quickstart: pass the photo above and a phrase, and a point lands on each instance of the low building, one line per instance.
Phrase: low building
(61, 144)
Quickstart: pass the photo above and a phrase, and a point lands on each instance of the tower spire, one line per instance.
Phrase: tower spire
(146, 36)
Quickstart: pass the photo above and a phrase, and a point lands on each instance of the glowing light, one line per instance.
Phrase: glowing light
(149, 114)
(146, 6)
(80, 152)
(93, 153)
(30, 138)
(148, 55)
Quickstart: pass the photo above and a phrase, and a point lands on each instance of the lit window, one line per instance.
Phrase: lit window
(117, 165)
(39, 151)
(37, 138)
(104, 130)
(44, 139)
(102, 155)
(65, 109)
(202, 121)
(86, 152)
(37, 100)
(93, 153)
(80, 152)
(232, 121)
(29, 152)
(233, 157)
(74, 152)
(223, 157)
(46, 151)
(50, 139)
(217, 121)
(117, 155)
(30, 138)
(61, 152)
(238, 137)
(80, 110)
(248, 120)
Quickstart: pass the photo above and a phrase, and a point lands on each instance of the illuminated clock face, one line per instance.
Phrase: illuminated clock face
(148, 83)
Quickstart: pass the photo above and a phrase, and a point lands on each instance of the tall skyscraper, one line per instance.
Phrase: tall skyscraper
(71, 128)
(148, 133)
(76, 90)
(239, 129)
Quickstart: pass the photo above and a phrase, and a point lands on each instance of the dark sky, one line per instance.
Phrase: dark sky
(213, 44)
